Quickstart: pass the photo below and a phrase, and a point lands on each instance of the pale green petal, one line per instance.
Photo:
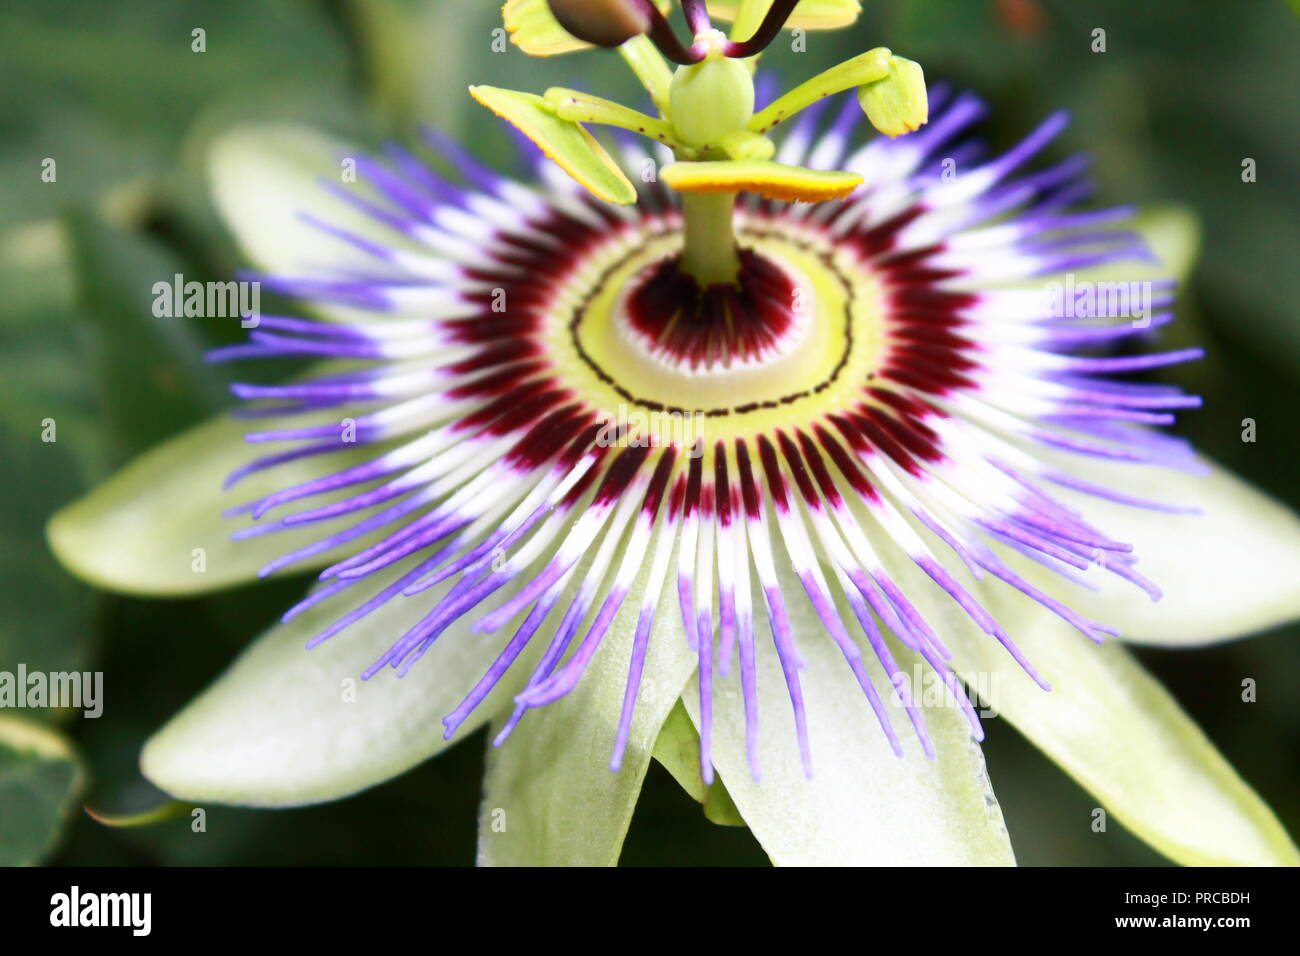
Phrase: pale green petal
(1111, 726)
(549, 797)
(863, 806)
(1172, 233)
(264, 177)
(152, 526)
(287, 726)
(1227, 572)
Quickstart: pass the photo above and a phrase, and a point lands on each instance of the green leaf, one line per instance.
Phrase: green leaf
(549, 796)
(287, 726)
(148, 371)
(574, 149)
(51, 450)
(47, 622)
(863, 806)
(1227, 572)
(118, 96)
(40, 778)
(138, 531)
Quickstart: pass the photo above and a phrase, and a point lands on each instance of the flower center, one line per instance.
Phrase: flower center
(802, 326)
(718, 327)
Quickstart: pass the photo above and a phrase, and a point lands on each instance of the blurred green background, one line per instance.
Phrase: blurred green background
(113, 93)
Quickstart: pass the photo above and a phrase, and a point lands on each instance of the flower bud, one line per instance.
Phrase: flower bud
(607, 23)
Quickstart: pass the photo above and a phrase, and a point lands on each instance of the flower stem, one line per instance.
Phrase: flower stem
(709, 251)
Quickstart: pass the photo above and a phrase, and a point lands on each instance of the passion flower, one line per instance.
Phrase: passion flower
(786, 424)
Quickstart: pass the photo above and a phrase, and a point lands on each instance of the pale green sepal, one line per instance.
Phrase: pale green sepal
(571, 147)
(156, 527)
(287, 726)
(1226, 572)
(863, 806)
(265, 177)
(1106, 722)
(549, 795)
(1173, 233)
(1114, 729)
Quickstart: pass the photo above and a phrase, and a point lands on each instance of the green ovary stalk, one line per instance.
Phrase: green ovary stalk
(709, 101)
(709, 252)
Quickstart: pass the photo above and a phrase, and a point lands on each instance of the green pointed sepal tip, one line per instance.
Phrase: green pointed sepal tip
(677, 749)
